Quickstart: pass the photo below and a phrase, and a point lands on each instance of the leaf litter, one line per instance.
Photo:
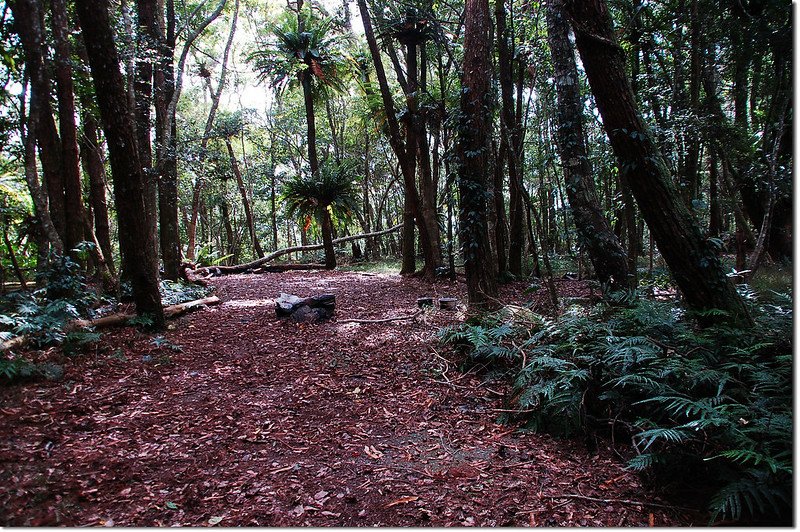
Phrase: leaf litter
(259, 421)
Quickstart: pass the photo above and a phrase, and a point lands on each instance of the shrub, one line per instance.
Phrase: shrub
(714, 400)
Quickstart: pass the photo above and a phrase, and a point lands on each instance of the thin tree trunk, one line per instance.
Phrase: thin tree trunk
(95, 170)
(27, 131)
(12, 256)
(408, 248)
(499, 208)
(28, 22)
(73, 199)
(248, 211)
(510, 139)
(405, 154)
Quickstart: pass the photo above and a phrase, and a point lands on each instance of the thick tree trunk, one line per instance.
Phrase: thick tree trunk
(594, 232)
(135, 236)
(692, 261)
(473, 150)
(311, 128)
(148, 41)
(166, 145)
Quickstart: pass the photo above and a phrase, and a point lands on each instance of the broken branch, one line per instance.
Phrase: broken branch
(240, 268)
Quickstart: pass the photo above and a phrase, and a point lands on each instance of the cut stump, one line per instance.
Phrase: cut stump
(448, 303)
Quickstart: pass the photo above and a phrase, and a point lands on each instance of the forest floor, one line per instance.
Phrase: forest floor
(240, 418)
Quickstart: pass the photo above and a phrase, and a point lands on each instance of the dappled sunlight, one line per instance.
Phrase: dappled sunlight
(250, 303)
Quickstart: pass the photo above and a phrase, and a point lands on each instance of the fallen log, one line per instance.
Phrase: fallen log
(252, 265)
(121, 318)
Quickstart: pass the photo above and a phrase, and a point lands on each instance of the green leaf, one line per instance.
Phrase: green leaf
(215, 520)
(171, 505)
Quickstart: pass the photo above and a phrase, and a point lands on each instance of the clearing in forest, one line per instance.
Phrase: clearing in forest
(240, 418)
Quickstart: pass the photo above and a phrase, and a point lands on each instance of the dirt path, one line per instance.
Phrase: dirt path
(264, 422)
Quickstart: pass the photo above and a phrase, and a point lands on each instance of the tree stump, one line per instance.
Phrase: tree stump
(305, 309)
(424, 302)
(448, 303)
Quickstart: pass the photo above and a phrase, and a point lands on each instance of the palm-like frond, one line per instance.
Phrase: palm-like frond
(294, 52)
(333, 189)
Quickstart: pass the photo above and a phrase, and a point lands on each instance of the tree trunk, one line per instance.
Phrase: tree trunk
(230, 240)
(95, 170)
(692, 261)
(135, 236)
(327, 238)
(73, 198)
(311, 128)
(147, 43)
(47, 228)
(499, 208)
(594, 232)
(474, 151)
(248, 212)
(405, 153)
(28, 22)
(166, 146)
(408, 249)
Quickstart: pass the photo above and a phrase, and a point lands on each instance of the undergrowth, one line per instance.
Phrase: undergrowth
(707, 408)
(43, 315)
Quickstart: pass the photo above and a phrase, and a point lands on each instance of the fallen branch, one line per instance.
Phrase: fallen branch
(240, 268)
(384, 320)
(618, 501)
(280, 268)
(121, 318)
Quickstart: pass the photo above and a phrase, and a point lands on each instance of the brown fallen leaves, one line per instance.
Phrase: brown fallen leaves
(256, 421)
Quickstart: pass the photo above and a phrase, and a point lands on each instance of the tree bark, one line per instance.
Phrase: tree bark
(28, 22)
(73, 197)
(95, 169)
(135, 236)
(248, 211)
(510, 130)
(473, 150)
(28, 127)
(594, 232)
(406, 154)
(692, 261)
(148, 39)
